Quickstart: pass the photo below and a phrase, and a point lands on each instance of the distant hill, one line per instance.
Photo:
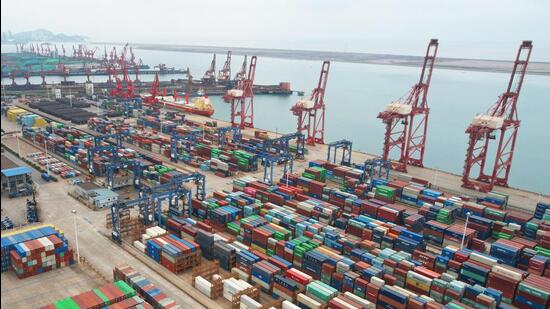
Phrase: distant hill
(39, 35)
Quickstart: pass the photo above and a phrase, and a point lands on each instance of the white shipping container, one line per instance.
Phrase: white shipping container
(289, 305)
(139, 245)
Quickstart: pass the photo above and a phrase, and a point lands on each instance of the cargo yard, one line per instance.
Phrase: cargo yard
(133, 194)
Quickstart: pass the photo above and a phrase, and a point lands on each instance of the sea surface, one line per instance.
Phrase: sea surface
(357, 92)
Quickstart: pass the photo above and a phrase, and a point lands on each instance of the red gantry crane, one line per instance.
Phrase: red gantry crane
(407, 119)
(311, 113)
(242, 99)
(154, 91)
(503, 117)
(225, 73)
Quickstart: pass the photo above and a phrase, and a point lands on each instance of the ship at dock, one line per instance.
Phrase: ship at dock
(200, 105)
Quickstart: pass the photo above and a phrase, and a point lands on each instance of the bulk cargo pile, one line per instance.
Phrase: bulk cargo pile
(35, 250)
(64, 111)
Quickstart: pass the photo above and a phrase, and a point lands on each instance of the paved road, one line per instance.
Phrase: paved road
(56, 206)
(36, 178)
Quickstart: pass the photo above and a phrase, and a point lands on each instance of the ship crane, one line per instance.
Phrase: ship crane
(63, 49)
(503, 117)
(225, 73)
(88, 72)
(242, 99)
(311, 113)
(13, 74)
(210, 75)
(27, 74)
(109, 74)
(189, 85)
(136, 72)
(407, 119)
(42, 75)
(105, 57)
(64, 72)
(132, 56)
(242, 73)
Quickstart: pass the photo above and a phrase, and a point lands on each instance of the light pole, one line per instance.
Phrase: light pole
(18, 146)
(70, 97)
(47, 159)
(76, 237)
(465, 226)
(435, 176)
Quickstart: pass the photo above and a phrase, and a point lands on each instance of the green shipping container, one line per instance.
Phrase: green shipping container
(66, 303)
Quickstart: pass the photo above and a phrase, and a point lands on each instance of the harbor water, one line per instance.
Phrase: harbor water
(357, 92)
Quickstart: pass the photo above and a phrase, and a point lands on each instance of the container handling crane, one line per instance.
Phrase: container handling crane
(311, 113)
(242, 72)
(209, 76)
(346, 147)
(224, 75)
(242, 99)
(152, 99)
(503, 117)
(407, 119)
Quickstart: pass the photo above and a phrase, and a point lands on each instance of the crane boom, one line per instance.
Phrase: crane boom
(209, 76)
(242, 99)
(407, 119)
(503, 117)
(225, 73)
(311, 113)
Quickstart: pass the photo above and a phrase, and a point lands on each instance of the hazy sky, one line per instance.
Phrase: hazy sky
(466, 28)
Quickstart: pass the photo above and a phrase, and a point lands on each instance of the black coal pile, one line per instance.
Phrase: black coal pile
(73, 114)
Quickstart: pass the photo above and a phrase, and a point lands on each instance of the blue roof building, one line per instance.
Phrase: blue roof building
(15, 178)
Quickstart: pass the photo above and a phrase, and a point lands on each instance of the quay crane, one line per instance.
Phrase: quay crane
(242, 99)
(407, 119)
(503, 117)
(311, 113)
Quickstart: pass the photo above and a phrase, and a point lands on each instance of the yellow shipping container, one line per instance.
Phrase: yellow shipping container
(40, 122)
(14, 112)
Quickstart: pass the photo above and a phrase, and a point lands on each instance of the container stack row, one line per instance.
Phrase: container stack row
(38, 249)
(144, 287)
(289, 239)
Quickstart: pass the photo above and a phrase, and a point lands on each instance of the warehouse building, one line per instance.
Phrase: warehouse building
(103, 198)
(85, 189)
(16, 180)
(94, 195)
